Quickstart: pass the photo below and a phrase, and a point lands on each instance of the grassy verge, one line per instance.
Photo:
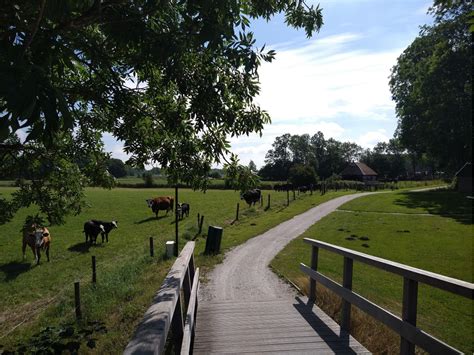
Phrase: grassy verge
(36, 297)
(429, 230)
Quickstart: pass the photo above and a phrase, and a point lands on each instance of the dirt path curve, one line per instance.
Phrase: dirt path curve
(245, 276)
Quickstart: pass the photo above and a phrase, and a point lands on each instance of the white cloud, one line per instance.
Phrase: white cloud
(327, 78)
(370, 139)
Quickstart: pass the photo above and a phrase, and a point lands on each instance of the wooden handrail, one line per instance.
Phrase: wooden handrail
(405, 326)
(166, 310)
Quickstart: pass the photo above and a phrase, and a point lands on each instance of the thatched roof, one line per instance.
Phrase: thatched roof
(465, 171)
(358, 169)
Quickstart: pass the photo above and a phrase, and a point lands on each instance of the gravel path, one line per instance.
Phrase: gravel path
(245, 276)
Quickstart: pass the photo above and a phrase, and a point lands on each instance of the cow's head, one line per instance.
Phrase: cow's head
(114, 224)
(39, 234)
(149, 202)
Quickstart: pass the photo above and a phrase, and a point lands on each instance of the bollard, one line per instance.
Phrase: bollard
(152, 250)
(77, 300)
(94, 275)
(170, 248)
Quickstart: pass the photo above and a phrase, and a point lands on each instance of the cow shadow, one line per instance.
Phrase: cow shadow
(83, 247)
(150, 219)
(13, 269)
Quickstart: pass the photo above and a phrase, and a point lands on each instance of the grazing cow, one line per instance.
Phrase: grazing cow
(37, 238)
(277, 187)
(161, 203)
(303, 189)
(92, 230)
(183, 210)
(251, 196)
(108, 226)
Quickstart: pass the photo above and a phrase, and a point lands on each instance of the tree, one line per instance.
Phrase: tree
(432, 87)
(172, 80)
(252, 166)
(116, 167)
(240, 177)
(302, 175)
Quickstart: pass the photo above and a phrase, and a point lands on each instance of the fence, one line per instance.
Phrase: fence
(405, 326)
(177, 293)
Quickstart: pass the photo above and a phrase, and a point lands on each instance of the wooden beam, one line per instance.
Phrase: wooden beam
(442, 282)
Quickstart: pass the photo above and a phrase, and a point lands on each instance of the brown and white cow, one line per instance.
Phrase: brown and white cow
(164, 203)
(37, 238)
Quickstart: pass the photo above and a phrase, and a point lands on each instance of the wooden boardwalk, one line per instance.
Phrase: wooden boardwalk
(276, 326)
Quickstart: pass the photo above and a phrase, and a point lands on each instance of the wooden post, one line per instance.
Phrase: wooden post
(77, 299)
(237, 212)
(410, 302)
(198, 220)
(177, 326)
(347, 283)
(261, 200)
(200, 224)
(314, 266)
(294, 196)
(287, 197)
(152, 251)
(176, 217)
(268, 203)
(94, 275)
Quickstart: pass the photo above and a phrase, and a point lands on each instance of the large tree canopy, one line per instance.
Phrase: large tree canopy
(432, 87)
(171, 79)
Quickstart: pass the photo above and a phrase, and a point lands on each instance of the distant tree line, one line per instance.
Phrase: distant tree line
(305, 159)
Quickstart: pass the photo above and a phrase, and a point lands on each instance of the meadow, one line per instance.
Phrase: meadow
(430, 230)
(36, 306)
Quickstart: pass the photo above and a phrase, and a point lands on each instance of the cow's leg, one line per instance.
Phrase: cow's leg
(23, 248)
(38, 256)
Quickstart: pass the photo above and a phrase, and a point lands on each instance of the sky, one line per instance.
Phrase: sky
(335, 82)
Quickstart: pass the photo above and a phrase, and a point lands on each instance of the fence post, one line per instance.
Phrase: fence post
(152, 251)
(347, 283)
(77, 299)
(294, 196)
(314, 266)
(268, 203)
(410, 301)
(237, 212)
(261, 200)
(287, 197)
(200, 224)
(94, 275)
(198, 220)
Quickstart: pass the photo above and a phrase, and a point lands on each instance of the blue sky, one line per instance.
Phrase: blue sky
(336, 81)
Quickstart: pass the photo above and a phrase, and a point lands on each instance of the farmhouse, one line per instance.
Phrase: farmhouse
(464, 176)
(358, 171)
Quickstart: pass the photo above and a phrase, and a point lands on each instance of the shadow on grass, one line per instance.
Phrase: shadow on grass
(13, 269)
(83, 247)
(150, 219)
(445, 203)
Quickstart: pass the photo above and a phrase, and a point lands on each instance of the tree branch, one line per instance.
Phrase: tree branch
(35, 29)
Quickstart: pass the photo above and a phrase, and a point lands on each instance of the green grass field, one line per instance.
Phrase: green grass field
(430, 230)
(35, 297)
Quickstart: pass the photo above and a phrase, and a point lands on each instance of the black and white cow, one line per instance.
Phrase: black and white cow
(108, 226)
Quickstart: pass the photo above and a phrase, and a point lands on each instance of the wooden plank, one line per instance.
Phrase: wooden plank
(190, 317)
(406, 330)
(442, 282)
(150, 335)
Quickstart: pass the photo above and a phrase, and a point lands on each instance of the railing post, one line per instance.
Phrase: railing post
(314, 266)
(410, 301)
(177, 326)
(347, 283)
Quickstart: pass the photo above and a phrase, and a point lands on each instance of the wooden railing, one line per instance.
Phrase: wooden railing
(405, 326)
(178, 292)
